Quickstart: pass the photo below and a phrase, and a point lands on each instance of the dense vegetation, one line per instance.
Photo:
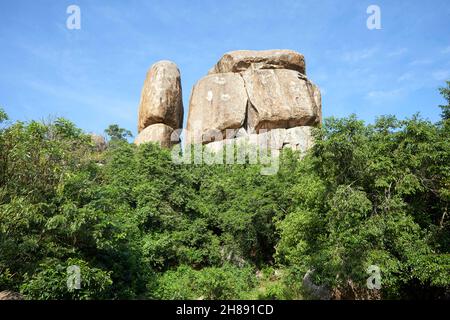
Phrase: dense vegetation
(140, 226)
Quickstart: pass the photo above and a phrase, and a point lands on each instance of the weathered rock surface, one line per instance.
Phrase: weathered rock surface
(241, 60)
(246, 94)
(218, 102)
(161, 97)
(297, 138)
(316, 291)
(270, 93)
(9, 295)
(281, 99)
(161, 133)
(98, 141)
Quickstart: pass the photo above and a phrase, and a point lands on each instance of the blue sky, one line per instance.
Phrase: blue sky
(93, 76)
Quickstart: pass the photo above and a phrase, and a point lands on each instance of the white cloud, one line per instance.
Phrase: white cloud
(446, 50)
(397, 52)
(406, 77)
(385, 94)
(441, 75)
(420, 62)
(356, 56)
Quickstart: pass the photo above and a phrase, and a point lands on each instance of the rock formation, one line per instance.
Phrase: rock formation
(258, 97)
(249, 93)
(161, 105)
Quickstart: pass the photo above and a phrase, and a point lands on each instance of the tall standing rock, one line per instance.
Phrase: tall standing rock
(161, 104)
(161, 97)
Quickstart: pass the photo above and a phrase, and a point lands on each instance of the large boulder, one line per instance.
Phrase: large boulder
(161, 97)
(160, 133)
(241, 60)
(281, 99)
(218, 102)
(99, 142)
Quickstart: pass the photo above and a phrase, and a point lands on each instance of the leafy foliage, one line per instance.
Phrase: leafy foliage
(226, 282)
(385, 202)
(141, 226)
(116, 133)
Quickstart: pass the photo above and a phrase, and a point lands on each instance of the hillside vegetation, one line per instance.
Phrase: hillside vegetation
(142, 227)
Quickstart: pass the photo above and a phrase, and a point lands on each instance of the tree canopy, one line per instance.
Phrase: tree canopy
(139, 225)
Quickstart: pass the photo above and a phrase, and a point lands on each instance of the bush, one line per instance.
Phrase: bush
(227, 282)
(50, 282)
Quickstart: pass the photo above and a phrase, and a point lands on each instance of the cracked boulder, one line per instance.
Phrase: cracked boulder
(248, 93)
(218, 102)
(280, 99)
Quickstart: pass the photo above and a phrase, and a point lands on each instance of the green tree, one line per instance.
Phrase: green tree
(445, 92)
(3, 115)
(116, 133)
(386, 198)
